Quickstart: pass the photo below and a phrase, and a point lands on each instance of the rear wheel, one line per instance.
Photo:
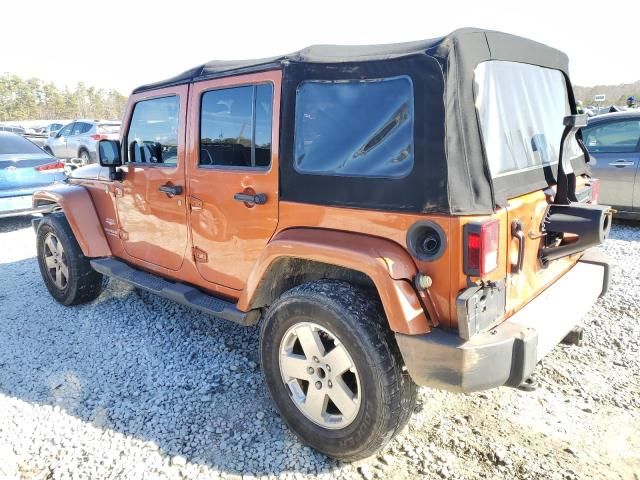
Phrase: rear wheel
(65, 270)
(84, 156)
(334, 370)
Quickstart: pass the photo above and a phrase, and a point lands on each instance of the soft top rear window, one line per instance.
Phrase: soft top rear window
(520, 109)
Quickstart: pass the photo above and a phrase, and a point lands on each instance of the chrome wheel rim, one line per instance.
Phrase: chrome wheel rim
(55, 261)
(320, 375)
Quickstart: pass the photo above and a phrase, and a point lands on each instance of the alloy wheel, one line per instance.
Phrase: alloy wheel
(320, 375)
(55, 260)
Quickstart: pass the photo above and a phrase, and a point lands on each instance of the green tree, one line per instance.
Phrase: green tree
(33, 99)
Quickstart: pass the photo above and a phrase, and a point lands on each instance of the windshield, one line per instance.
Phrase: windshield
(520, 109)
(15, 145)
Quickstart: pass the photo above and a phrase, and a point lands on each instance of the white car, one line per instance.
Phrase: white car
(79, 139)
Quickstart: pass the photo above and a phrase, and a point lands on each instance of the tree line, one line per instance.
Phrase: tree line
(615, 94)
(34, 99)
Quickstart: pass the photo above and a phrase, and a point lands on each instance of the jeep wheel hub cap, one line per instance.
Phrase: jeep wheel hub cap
(320, 375)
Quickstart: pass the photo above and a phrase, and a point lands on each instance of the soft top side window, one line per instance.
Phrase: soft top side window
(235, 127)
(153, 132)
(359, 128)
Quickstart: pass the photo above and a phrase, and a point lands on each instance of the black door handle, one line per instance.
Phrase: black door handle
(258, 198)
(170, 190)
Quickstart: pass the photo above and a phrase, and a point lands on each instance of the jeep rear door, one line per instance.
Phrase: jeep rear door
(232, 171)
(151, 197)
(521, 109)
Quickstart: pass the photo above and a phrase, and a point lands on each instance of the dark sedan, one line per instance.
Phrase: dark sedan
(613, 140)
(24, 168)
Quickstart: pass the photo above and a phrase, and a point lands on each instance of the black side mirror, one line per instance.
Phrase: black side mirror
(109, 156)
(109, 153)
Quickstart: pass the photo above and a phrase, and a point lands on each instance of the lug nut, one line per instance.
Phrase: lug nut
(315, 359)
(318, 385)
(329, 384)
(310, 370)
(328, 368)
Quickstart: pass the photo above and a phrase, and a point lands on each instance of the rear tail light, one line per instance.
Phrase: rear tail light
(51, 167)
(595, 190)
(481, 247)
(98, 136)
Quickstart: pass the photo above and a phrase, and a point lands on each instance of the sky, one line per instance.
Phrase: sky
(123, 44)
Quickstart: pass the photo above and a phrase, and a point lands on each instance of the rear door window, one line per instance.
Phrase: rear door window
(153, 132)
(235, 127)
(360, 128)
(615, 137)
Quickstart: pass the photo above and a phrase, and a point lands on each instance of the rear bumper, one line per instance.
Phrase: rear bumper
(507, 354)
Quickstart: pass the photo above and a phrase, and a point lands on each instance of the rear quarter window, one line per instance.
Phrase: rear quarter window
(360, 128)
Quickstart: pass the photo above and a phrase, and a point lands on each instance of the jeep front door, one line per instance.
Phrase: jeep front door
(233, 173)
(151, 196)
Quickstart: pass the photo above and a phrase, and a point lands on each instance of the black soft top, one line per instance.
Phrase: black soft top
(451, 174)
(463, 39)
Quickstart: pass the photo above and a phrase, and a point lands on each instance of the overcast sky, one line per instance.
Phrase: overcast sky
(116, 44)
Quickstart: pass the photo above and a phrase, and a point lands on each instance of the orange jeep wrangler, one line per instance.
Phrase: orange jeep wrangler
(393, 215)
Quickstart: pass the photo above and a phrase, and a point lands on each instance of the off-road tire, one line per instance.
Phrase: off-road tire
(84, 284)
(388, 395)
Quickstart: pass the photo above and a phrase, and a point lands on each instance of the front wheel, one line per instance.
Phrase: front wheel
(65, 270)
(334, 370)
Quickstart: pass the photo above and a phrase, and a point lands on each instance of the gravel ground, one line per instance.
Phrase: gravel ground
(134, 386)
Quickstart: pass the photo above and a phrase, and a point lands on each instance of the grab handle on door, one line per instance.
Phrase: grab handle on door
(258, 198)
(518, 233)
(170, 190)
(622, 163)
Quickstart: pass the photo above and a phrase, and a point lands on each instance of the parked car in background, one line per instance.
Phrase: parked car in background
(613, 140)
(78, 139)
(24, 168)
(12, 129)
(39, 135)
(51, 127)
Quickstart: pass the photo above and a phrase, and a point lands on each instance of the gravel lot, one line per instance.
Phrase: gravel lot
(133, 386)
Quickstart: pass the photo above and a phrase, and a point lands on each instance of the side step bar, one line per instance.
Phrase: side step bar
(178, 292)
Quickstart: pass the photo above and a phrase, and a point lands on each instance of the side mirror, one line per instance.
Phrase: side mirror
(52, 134)
(109, 156)
(109, 153)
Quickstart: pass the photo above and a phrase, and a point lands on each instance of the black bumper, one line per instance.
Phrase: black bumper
(508, 353)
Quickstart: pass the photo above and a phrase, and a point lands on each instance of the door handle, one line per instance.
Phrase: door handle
(170, 190)
(258, 198)
(516, 231)
(622, 163)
